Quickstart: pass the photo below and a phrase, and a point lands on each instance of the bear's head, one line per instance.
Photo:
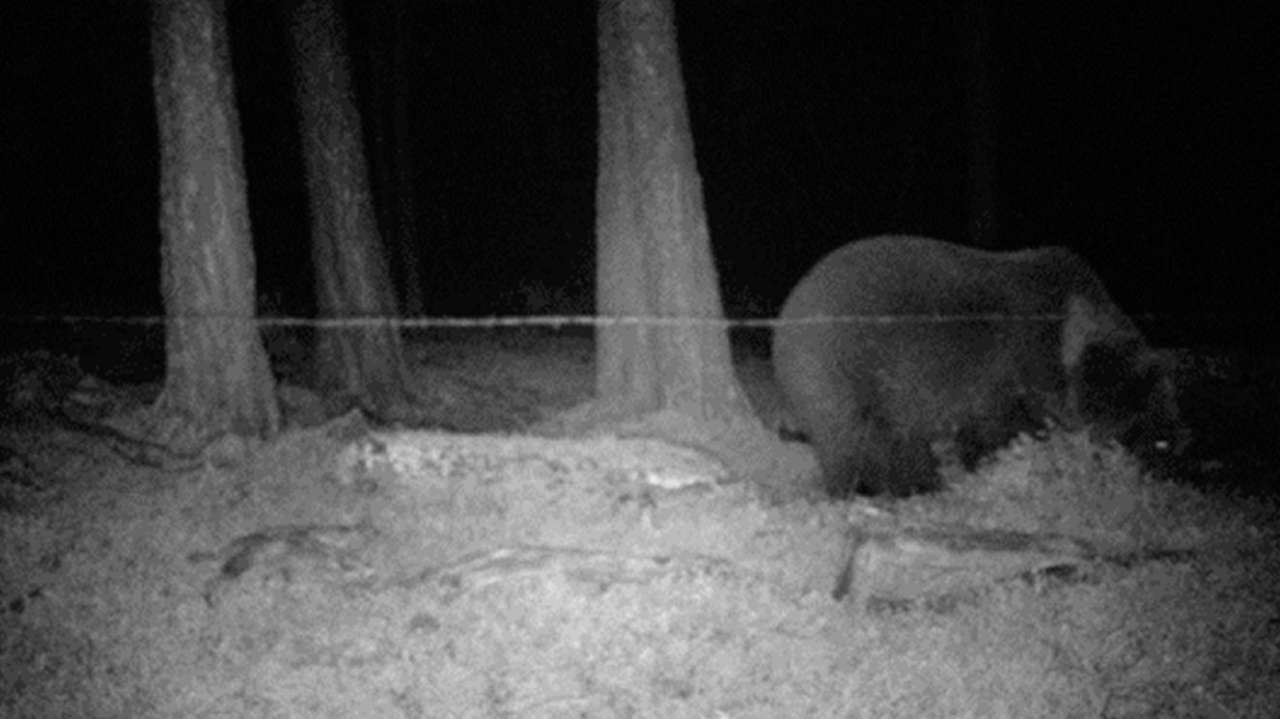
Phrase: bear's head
(1120, 388)
(1126, 393)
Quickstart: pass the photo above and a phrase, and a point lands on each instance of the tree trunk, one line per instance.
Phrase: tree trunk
(980, 103)
(363, 364)
(651, 232)
(397, 206)
(217, 378)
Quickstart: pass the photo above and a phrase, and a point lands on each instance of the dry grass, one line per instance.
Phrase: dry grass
(345, 571)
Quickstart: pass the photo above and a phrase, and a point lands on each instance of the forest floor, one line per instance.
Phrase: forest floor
(655, 570)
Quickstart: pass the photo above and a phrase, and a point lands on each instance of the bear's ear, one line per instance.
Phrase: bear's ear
(1085, 324)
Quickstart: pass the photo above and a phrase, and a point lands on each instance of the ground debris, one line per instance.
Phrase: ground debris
(917, 563)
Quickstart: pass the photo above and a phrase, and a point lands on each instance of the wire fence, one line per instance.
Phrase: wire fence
(553, 321)
(1161, 329)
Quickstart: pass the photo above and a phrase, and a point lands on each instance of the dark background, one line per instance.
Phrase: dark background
(1138, 135)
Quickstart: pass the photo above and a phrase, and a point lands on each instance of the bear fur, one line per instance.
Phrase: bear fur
(936, 344)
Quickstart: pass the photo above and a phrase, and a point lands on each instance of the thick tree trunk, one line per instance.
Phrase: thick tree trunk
(363, 363)
(217, 378)
(654, 253)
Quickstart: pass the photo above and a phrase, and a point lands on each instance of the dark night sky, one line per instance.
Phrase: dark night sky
(1137, 136)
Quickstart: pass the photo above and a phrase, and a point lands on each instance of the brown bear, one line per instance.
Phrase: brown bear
(927, 342)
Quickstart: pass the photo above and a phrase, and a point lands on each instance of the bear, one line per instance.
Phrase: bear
(930, 345)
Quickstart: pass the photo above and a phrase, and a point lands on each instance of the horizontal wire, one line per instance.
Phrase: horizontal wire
(542, 320)
(557, 321)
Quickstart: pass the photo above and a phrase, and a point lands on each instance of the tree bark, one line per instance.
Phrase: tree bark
(217, 377)
(654, 252)
(363, 364)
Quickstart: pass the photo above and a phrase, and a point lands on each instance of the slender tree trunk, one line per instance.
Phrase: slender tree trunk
(980, 102)
(378, 122)
(654, 253)
(364, 363)
(217, 378)
(398, 210)
(408, 243)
